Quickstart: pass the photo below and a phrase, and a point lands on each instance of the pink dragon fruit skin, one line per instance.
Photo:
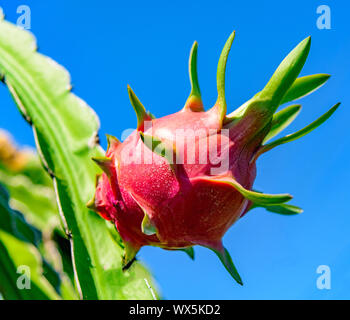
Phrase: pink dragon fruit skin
(155, 199)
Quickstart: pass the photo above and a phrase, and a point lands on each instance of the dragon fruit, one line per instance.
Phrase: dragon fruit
(185, 179)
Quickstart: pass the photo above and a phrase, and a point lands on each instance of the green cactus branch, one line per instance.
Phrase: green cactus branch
(18, 246)
(65, 130)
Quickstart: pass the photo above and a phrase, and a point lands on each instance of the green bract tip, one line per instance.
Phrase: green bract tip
(282, 120)
(226, 260)
(220, 104)
(104, 163)
(147, 227)
(194, 101)
(91, 204)
(140, 110)
(300, 133)
(112, 141)
(189, 251)
(159, 147)
(257, 198)
(285, 75)
(129, 255)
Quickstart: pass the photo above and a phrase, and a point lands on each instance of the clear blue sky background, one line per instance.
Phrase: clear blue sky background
(106, 45)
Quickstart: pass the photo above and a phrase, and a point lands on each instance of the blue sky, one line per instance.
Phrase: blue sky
(106, 45)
